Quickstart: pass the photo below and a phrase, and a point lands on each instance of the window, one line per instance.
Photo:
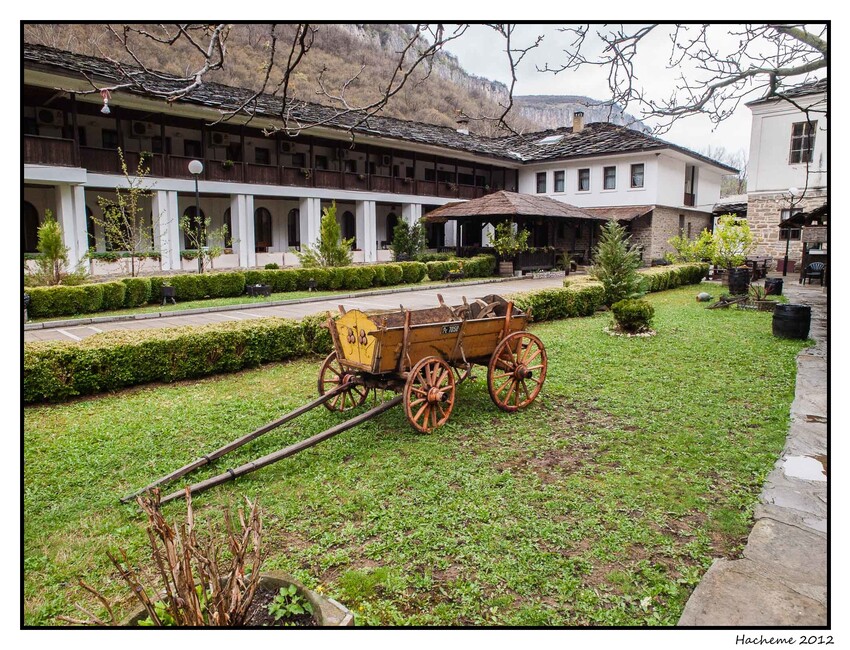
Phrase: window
(559, 181)
(792, 234)
(802, 142)
(262, 156)
(350, 166)
(321, 162)
(192, 148)
(294, 227)
(81, 136)
(584, 180)
(541, 182)
(109, 138)
(637, 175)
(262, 230)
(610, 178)
(299, 160)
(156, 145)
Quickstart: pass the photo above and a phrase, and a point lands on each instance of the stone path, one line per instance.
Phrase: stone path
(387, 299)
(781, 578)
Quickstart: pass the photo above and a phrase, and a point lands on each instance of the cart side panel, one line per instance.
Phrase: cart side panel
(357, 347)
(479, 340)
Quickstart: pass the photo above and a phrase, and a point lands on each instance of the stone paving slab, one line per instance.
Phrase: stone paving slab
(781, 578)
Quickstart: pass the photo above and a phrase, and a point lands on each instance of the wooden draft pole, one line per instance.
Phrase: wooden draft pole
(208, 458)
(285, 452)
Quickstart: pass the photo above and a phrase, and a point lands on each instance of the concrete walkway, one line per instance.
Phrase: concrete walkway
(70, 330)
(781, 579)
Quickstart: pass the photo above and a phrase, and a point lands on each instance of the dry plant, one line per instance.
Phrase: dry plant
(198, 584)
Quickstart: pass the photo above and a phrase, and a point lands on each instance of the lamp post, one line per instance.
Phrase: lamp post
(196, 168)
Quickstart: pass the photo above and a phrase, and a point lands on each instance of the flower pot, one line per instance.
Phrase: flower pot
(739, 281)
(506, 269)
(792, 321)
(326, 611)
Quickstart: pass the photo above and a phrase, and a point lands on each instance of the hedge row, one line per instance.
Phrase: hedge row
(480, 266)
(48, 302)
(55, 371)
(660, 278)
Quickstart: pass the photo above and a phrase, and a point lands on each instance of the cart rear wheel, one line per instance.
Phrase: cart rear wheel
(331, 375)
(429, 394)
(517, 371)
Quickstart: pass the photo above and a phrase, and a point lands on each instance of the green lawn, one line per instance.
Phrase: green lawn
(601, 504)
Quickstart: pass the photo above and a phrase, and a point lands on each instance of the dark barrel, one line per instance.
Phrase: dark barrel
(792, 321)
(739, 281)
(773, 286)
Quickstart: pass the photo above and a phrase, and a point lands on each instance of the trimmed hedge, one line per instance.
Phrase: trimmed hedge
(552, 304)
(480, 266)
(56, 371)
(660, 278)
(632, 315)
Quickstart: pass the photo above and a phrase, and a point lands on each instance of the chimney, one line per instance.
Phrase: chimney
(578, 121)
(463, 125)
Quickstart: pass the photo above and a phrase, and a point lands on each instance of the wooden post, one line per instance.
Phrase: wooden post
(76, 129)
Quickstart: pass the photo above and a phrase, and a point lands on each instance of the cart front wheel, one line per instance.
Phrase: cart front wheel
(517, 371)
(331, 375)
(429, 394)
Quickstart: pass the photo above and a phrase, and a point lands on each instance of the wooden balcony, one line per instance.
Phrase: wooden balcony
(49, 151)
(57, 151)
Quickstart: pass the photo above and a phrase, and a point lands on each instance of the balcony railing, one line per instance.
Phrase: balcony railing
(49, 151)
(56, 151)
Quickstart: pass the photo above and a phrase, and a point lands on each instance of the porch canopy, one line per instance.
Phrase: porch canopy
(540, 214)
(814, 234)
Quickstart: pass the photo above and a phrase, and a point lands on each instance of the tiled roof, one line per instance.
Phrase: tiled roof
(622, 212)
(508, 204)
(595, 139)
(801, 90)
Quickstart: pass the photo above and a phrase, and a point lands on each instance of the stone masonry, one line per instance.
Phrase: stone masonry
(764, 214)
(652, 231)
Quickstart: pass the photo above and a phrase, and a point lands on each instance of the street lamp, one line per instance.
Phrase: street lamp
(196, 168)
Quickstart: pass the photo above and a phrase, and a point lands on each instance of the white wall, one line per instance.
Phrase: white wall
(770, 146)
(597, 196)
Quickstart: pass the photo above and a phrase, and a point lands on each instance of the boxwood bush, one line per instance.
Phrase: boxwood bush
(113, 295)
(138, 291)
(224, 285)
(56, 371)
(551, 304)
(632, 315)
(480, 266)
(412, 272)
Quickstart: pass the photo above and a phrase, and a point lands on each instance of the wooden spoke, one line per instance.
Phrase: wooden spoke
(429, 394)
(331, 375)
(512, 380)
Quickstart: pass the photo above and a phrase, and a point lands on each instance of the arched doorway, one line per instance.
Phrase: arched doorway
(29, 231)
(349, 225)
(293, 225)
(262, 230)
(196, 218)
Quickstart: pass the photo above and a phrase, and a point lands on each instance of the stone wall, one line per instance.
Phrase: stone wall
(665, 225)
(764, 214)
(641, 232)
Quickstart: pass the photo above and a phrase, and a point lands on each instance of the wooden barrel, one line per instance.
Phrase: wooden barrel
(773, 286)
(739, 281)
(792, 321)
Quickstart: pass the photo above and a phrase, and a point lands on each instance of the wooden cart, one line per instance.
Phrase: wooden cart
(425, 353)
(422, 354)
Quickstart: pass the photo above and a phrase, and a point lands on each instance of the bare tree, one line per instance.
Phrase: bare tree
(713, 78)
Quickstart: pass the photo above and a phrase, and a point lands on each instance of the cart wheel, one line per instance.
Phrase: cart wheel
(331, 375)
(429, 394)
(517, 371)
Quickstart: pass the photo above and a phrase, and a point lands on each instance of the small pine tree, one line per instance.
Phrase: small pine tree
(54, 254)
(408, 241)
(331, 249)
(615, 263)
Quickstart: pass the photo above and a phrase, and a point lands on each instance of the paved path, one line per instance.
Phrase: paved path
(781, 578)
(391, 299)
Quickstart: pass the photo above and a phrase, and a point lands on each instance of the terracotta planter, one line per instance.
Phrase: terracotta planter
(327, 611)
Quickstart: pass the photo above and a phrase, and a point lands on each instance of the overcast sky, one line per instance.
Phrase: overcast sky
(481, 52)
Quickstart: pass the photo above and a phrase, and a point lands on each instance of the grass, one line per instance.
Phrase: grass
(601, 504)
